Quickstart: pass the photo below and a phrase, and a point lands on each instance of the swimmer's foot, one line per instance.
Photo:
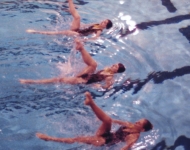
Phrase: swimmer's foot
(31, 31)
(23, 81)
(88, 100)
(43, 136)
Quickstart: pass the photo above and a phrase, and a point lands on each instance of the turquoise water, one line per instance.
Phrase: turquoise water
(150, 37)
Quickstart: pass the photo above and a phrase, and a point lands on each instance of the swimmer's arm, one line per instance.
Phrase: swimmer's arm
(123, 123)
(108, 82)
(66, 32)
(97, 34)
(130, 140)
(86, 25)
(95, 37)
(97, 85)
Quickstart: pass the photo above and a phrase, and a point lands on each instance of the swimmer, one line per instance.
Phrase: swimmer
(87, 75)
(75, 29)
(128, 132)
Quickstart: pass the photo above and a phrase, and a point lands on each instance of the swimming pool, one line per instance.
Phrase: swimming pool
(151, 38)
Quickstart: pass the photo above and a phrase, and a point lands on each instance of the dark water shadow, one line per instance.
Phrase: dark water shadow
(79, 2)
(160, 146)
(156, 77)
(146, 25)
(169, 5)
(180, 141)
(172, 20)
(186, 32)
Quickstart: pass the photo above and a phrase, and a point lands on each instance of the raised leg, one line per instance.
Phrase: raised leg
(90, 62)
(76, 17)
(106, 120)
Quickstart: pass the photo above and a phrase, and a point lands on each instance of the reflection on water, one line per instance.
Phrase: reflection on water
(156, 77)
(147, 25)
(185, 31)
(182, 141)
(176, 19)
(169, 5)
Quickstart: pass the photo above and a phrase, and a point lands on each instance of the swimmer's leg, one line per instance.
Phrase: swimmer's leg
(88, 60)
(43, 81)
(76, 17)
(66, 80)
(66, 32)
(94, 140)
(106, 120)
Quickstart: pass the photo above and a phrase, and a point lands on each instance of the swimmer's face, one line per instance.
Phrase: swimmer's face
(104, 23)
(140, 124)
(114, 68)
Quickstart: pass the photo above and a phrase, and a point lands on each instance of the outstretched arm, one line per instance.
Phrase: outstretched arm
(65, 32)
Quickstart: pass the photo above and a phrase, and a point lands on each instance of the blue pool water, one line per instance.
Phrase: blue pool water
(152, 38)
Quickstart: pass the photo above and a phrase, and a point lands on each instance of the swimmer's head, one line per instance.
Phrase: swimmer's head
(143, 125)
(147, 125)
(106, 24)
(116, 68)
(121, 68)
(109, 24)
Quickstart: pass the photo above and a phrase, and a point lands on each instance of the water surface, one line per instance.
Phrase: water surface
(150, 37)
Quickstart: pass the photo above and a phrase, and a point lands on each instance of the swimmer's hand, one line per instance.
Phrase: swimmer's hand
(31, 31)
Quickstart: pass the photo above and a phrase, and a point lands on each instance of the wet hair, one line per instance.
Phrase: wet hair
(147, 126)
(121, 68)
(109, 24)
